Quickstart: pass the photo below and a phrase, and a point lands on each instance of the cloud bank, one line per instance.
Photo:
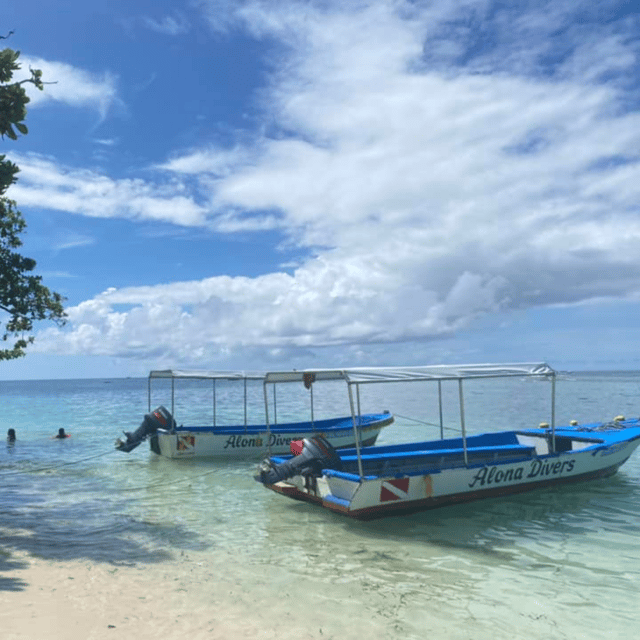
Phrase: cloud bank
(438, 161)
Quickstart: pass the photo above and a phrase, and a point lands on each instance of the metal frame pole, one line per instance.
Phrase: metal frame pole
(355, 428)
(173, 397)
(462, 425)
(440, 409)
(245, 404)
(266, 414)
(214, 402)
(275, 406)
(553, 413)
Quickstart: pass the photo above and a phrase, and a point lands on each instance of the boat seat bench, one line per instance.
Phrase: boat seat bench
(499, 451)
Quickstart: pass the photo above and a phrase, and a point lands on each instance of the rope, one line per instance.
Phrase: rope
(168, 484)
(428, 424)
(99, 455)
(55, 466)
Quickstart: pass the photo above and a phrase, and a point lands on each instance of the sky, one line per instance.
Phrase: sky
(292, 184)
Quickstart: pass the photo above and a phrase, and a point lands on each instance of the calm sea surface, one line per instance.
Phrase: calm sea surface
(559, 563)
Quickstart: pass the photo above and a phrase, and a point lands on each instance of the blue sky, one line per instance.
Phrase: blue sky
(264, 185)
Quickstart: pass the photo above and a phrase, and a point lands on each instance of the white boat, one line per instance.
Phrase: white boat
(370, 482)
(244, 440)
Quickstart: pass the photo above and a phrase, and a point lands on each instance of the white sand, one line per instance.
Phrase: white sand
(178, 599)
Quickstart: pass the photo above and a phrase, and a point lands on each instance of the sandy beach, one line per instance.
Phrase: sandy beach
(54, 600)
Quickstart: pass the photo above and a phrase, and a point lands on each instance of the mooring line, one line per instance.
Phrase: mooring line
(4, 474)
(428, 424)
(167, 484)
(55, 466)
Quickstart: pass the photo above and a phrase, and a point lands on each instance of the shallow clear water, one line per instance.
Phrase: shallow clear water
(549, 564)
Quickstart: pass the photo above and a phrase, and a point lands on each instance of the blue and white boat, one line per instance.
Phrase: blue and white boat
(369, 482)
(242, 439)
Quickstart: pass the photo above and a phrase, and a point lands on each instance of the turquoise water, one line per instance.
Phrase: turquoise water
(559, 563)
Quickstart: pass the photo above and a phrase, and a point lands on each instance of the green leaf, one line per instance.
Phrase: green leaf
(24, 300)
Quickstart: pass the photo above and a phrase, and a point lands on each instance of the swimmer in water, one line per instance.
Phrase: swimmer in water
(11, 435)
(61, 434)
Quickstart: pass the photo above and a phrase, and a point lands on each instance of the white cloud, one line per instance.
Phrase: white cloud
(46, 184)
(324, 303)
(72, 86)
(168, 25)
(434, 184)
(211, 161)
(71, 240)
(106, 142)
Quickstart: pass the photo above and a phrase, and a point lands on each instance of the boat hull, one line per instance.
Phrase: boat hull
(256, 441)
(374, 496)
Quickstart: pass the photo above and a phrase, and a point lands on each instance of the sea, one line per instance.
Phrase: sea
(553, 563)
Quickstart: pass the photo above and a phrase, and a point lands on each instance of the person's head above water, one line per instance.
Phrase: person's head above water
(61, 433)
(11, 435)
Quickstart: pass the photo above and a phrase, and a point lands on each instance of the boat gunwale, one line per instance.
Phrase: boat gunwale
(365, 422)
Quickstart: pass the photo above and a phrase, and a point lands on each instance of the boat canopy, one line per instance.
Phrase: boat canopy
(207, 375)
(354, 377)
(370, 374)
(362, 375)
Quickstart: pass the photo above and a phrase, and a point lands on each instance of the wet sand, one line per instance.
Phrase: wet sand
(84, 600)
(182, 598)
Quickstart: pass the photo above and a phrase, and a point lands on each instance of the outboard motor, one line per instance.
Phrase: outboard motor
(159, 418)
(316, 454)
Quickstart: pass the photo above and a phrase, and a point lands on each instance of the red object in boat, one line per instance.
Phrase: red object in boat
(296, 447)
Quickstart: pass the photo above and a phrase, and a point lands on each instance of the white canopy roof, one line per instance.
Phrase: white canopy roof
(427, 372)
(207, 375)
(371, 374)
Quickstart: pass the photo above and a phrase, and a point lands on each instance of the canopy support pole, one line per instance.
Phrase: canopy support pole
(355, 428)
(553, 413)
(266, 414)
(462, 425)
(440, 409)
